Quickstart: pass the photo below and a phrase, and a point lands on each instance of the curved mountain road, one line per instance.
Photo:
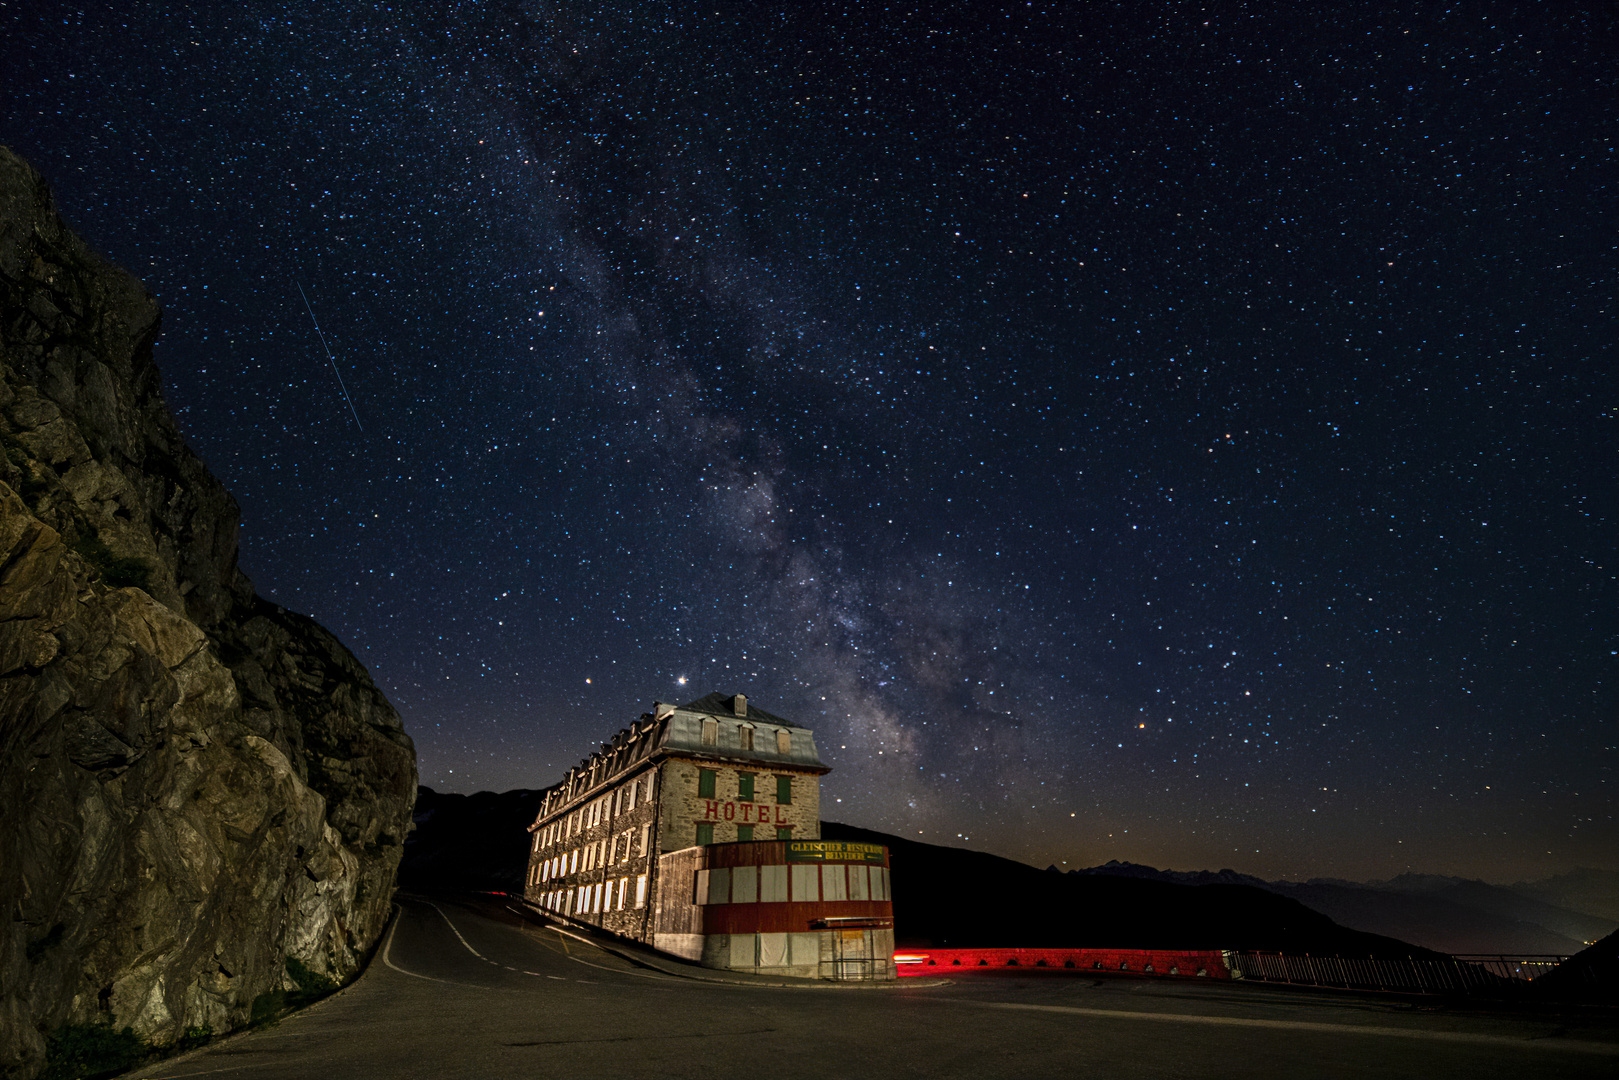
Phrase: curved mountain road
(478, 990)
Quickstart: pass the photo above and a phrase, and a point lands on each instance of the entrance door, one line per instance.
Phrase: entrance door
(854, 954)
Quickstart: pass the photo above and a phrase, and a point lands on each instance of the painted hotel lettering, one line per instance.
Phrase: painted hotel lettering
(747, 813)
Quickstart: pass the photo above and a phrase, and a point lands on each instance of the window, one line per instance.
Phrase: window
(705, 832)
(744, 786)
(784, 832)
(784, 741)
(711, 732)
(744, 834)
(705, 783)
(745, 733)
(635, 786)
(744, 885)
(719, 885)
(806, 882)
(612, 851)
(640, 890)
(784, 790)
(623, 887)
(646, 838)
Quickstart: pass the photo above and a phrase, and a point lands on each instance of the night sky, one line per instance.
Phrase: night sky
(1137, 430)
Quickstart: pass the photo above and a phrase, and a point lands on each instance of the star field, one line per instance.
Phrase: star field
(1151, 431)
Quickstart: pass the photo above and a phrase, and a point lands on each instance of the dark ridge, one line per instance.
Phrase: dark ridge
(949, 897)
(469, 843)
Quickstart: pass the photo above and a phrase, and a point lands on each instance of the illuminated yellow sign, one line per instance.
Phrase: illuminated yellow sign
(833, 851)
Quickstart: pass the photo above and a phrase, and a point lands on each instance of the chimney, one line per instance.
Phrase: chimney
(739, 704)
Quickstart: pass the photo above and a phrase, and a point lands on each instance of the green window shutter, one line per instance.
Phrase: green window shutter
(705, 833)
(705, 783)
(744, 787)
(744, 833)
(784, 832)
(784, 789)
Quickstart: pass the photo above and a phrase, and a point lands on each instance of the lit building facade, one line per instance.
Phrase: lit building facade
(696, 830)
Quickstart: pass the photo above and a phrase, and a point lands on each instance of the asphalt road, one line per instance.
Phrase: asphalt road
(477, 991)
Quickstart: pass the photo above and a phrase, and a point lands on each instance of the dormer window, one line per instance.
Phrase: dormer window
(711, 732)
(745, 733)
(784, 741)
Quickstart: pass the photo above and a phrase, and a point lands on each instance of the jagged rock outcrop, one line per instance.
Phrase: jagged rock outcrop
(195, 784)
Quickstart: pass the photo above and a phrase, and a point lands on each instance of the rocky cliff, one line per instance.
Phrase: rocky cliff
(200, 791)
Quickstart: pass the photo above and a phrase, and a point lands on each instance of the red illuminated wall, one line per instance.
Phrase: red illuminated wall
(1208, 964)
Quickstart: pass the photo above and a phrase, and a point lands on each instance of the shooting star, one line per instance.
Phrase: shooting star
(330, 359)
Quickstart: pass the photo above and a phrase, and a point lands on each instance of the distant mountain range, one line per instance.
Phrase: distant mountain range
(1559, 915)
(952, 896)
(949, 897)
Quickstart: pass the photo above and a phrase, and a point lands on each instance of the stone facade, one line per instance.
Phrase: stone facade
(595, 844)
(729, 814)
(638, 837)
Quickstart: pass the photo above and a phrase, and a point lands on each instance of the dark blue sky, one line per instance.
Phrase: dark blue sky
(1149, 431)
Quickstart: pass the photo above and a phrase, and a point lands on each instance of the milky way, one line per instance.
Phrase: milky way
(1128, 431)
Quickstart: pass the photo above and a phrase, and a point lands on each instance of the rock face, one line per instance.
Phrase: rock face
(195, 784)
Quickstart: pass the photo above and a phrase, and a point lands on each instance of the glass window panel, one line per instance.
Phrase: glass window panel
(745, 885)
(719, 885)
(834, 884)
(806, 882)
(773, 884)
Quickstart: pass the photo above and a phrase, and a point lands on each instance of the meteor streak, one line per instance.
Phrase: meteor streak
(330, 359)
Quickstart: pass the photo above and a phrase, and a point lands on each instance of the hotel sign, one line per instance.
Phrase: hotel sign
(833, 851)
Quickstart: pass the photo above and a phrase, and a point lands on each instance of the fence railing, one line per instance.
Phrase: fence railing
(1493, 974)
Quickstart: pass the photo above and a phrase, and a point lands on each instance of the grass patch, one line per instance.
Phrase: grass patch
(87, 1051)
(267, 1008)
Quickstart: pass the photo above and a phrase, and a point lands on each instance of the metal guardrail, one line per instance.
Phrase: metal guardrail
(1526, 967)
(1493, 974)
